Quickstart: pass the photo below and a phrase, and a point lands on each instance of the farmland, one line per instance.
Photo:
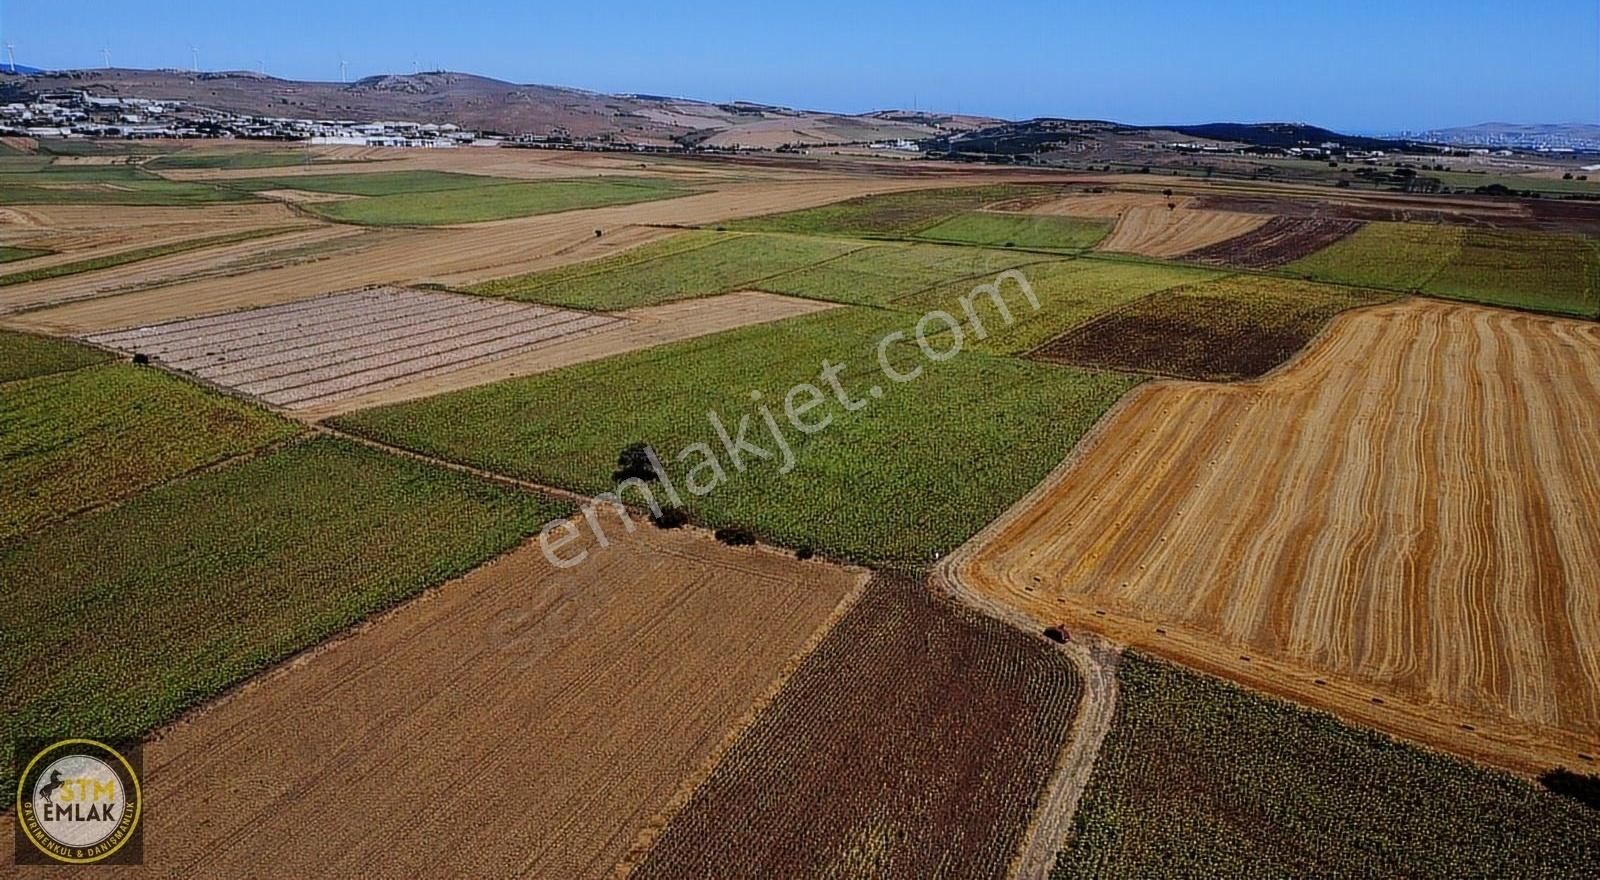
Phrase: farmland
(891, 215)
(101, 433)
(500, 201)
(993, 229)
(196, 584)
(123, 258)
(1278, 241)
(1199, 777)
(1557, 274)
(877, 486)
(12, 254)
(913, 742)
(600, 671)
(1462, 617)
(24, 356)
(1232, 328)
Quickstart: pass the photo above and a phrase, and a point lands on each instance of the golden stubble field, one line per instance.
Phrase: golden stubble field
(533, 721)
(1402, 526)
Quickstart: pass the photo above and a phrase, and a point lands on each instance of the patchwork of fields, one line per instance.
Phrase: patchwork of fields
(1396, 523)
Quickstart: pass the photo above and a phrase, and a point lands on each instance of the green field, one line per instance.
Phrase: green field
(122, 258)
(372, 183)
(117, 621)
(891, 214)
(1199, 778)
(85, 437)
(138, 193)
(1070, 292)
(891, 273)
(11, 254)
(499, 202)
(234, 159)
(905, 478)
(1020, 230)
(1232, 328)
(1545, 272)
(688, 265)
(24, 356)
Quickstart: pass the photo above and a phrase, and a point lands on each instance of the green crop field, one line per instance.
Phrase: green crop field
(139, 193)
(24, 356)
(1545, 272)
(889, 273)
(499, 202)
(1199, 778)
(372, 183)
(1559, 274)
(235, 159)
(12, 254)
(1020, 230)
(688, 265)
(892, 214)
(85, 437)
(117, 621)
(123, 258)
(1238, 327)
(1391, 256)
(54, 173)
(1070, 292)
(903, 478)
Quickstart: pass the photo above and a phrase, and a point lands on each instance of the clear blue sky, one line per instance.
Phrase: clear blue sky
(1357, 65)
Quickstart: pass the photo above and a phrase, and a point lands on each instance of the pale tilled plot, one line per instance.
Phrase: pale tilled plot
(522, 721)
(1404, 526)
(316, 351)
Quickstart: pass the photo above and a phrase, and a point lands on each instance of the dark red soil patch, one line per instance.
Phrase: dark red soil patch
(1234, 328)
(1279, 241)
(914, 742)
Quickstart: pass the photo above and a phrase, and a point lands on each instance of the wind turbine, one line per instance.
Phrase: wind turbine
(194, 51)
(11, 50)
(341, 71)
(104, 53)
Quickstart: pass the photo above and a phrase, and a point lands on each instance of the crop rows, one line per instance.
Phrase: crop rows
(913, 742)
(24, 356)
(1278, 241)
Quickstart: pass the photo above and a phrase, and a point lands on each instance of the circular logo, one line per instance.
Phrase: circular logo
(78, 801)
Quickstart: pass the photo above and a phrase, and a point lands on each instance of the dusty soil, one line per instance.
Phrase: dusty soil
(519, 721)
(1279, 241)
(1403, 526)
(915, 741)
(640, 328)
(315, 352)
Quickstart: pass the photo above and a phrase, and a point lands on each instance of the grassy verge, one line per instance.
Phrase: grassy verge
(123, 258)
(116, 622)
(1201, 778)
(903, 478)
(77, 439)
(23, 356)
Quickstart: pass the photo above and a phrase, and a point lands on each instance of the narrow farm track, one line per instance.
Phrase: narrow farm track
(1402, 526)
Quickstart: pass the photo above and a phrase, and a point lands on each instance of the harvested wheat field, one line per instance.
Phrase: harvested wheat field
(644, 327)
(519, 721)
(914, 742)
(1403, 526)
(1169, 232)
(316, 351)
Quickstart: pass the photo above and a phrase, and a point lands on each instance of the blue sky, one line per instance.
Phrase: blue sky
(1356, 65)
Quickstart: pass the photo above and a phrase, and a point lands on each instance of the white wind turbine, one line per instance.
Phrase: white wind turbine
(194, 52)
(11, 50)
(341, 71)
(106, 54)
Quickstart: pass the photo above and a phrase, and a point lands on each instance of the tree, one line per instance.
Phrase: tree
(633, 463)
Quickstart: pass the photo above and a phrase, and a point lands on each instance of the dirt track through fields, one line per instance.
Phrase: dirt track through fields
(319, 351)
(519, 721)
(1402, 526)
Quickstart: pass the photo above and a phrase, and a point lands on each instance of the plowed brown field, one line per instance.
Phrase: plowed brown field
(1403, 526)
(519, 721)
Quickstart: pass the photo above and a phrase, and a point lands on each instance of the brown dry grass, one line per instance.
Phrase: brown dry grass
(520, 721)
(645, 327)
(1403, 526)
(1163, 232)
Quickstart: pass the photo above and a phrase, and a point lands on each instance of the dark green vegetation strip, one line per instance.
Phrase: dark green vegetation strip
(1199, 778)
(1232, 328)
(1020, 230)
(371, 183)
(1545, 272)
(123, 258)
(23, 356)
(139, 193)
(11, 254)
(118, 621)
(914, 742)
(235, 159)
(499, 202)
(891, 214)
(904, 478)
(78, 439)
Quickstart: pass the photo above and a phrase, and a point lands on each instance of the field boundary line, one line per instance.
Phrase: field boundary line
(657, 824)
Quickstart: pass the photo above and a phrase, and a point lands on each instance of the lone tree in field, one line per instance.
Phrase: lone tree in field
(634, 463)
